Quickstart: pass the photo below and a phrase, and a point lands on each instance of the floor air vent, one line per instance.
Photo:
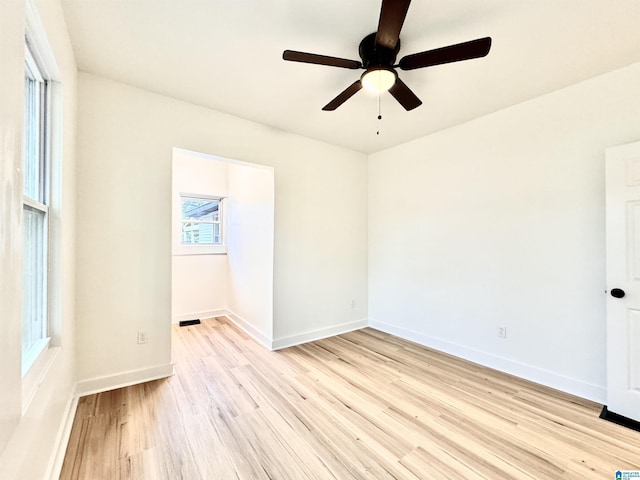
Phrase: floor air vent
(186, 323)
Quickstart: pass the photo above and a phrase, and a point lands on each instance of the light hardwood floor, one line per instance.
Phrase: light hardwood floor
(357, 406)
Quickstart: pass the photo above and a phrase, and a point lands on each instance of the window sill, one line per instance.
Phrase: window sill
(200, 250)
(35, 366)
(34, 354)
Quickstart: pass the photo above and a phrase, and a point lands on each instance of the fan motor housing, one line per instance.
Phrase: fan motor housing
(376, 56)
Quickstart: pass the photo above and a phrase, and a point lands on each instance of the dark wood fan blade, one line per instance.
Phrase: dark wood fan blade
(453, 53)
(344, 96)
(392, 15)
(304, 57)
(404, 95)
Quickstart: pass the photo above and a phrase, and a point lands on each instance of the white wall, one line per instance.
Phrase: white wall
(28, 439)
(199, 286)
(199, 282)
(126, 136)
(11, 84)
(500, 221)
(250, 238)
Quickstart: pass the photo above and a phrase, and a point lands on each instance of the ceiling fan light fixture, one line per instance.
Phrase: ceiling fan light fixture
(378, 79)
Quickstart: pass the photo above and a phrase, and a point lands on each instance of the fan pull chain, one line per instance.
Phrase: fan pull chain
(379, 116)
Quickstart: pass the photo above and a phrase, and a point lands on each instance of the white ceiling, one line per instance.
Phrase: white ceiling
(227, 55)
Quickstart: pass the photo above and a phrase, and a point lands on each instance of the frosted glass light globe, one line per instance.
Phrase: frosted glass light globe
(378, 80)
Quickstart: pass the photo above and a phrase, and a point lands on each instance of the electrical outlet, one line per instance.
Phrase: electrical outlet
(142, 337)
(353, 304)
(502, 332)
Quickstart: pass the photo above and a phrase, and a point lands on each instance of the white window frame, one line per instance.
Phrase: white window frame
(40, 204)
(37, 362)
(202, 249)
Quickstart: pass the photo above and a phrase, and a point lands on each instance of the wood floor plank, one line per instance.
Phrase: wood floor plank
(364, 405)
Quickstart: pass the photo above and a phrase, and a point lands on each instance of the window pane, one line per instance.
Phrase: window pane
(201, 218)
(187, 233)
(34, 278)
(216, 233)
(200, 209)
(201, 233)
(32, 138)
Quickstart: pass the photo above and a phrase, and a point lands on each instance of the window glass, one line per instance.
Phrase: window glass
(201, 221)
(35, 213)
(33, 133)
(33, 278)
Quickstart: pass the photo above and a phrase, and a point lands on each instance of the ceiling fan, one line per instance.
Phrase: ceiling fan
(378, 52)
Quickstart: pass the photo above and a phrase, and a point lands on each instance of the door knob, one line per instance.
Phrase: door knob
(617, 292)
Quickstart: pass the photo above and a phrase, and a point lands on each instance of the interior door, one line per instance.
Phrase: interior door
(623, 280)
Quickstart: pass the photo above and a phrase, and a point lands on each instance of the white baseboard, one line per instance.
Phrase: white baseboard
(123, 379)
(249, 329)
(179, 317)
(538, 375)
(319, 334)
(62, 440)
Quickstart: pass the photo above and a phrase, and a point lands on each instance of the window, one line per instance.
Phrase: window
(35, 212)
(201, 220)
